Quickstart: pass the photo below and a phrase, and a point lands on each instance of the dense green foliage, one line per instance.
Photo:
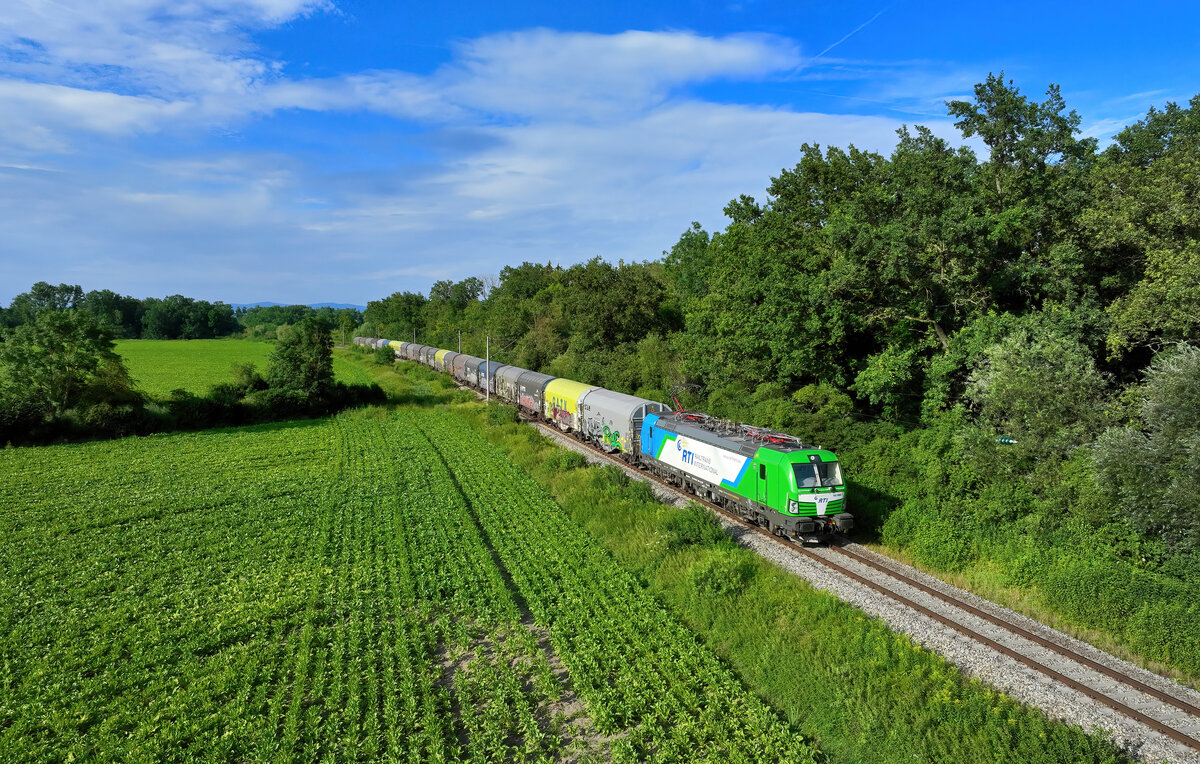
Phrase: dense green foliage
(58, 372)
(303, 362)
(174, 317)
(970, 332)
(1153, 466)
(169, 318)
(275, 321)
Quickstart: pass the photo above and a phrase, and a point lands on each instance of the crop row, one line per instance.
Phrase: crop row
(298, 591)
(643, 675)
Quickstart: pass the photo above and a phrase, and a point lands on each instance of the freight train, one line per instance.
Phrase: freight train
(768, 478)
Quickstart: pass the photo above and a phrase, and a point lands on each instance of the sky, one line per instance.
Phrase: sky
(302, 151)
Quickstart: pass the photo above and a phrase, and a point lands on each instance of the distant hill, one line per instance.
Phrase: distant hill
(334, 305)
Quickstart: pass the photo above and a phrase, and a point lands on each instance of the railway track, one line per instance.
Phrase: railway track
(1162, 707)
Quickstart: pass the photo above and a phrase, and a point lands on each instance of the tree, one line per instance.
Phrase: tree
(123, 314)
(1025, 137)
(1145, 225)
(179, 317)
(688, 262)
(345, 323)
(396, 316)
(1040, 387)
(1152, 469)
(1034, 185)
(303, 362)
(43, 295)
(47, 365)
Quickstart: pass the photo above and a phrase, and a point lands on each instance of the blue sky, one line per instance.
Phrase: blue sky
(342, 150)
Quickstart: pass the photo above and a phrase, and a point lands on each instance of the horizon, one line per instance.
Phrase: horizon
(343, 152)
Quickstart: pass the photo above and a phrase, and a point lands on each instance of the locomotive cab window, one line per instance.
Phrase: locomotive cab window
(817, 474)
(762, 471)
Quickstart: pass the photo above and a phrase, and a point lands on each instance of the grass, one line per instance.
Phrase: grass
(986, 579)
(160, 366)
(863, 692)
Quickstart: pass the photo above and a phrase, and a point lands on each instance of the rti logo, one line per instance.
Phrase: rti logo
(685, 455)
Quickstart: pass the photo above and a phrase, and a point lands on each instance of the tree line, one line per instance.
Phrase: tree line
(168, 318)
(175, 317)
(1003, 346)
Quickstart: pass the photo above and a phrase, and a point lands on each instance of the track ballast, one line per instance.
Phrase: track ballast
(1153, 718)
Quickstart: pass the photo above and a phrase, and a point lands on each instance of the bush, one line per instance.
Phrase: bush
(932, 534)
(1167, 632)
(501, 414)
(695, 526)
(611, 476)
(562, 460)
(463, 396)
(1042, 390)
(1152, 472)
(384, 356)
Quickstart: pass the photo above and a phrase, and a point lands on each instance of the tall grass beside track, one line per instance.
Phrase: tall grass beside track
(864, 693)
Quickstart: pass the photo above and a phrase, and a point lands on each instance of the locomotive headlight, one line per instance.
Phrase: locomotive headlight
(793, 506)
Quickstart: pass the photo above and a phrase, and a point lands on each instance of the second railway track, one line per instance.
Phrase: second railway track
(1167, 713)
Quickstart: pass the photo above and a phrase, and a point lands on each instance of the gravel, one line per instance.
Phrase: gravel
(974, 659)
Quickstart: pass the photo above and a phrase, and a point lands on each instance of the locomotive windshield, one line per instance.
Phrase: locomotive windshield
(818, 474)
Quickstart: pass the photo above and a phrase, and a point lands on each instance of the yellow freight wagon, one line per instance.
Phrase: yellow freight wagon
(562, 402)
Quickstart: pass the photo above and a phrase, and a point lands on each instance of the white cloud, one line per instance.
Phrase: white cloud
(63, 108)
(139, 65)
(129, 66)
(582, 144)
(543, 73)
(166, 48)
(397, 94)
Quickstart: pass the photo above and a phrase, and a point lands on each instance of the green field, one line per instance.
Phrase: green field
(160, 366)
(425, 583)
(377, 585)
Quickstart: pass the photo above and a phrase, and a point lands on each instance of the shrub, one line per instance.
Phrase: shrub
(1042, 390)
(501, 414)
(562, 460)
(932, 534)
(384, 356)
(694, 526)
(1152, 471)
(611, 476)
(463, 396)
(722, 572)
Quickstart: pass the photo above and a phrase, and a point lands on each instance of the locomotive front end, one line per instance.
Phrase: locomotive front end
(817, 495)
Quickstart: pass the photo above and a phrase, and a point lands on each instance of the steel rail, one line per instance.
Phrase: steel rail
(1090, 692)
(967, 631)
(1180, 703)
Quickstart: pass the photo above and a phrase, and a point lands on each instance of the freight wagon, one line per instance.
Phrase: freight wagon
(769, 478)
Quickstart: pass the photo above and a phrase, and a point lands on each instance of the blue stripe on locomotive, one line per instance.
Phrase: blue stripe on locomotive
(652, 446)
